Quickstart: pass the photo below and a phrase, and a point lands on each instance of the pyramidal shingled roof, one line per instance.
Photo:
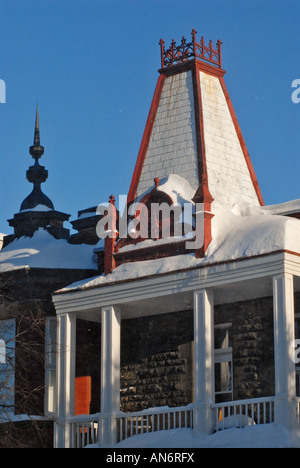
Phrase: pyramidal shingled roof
(192, 129)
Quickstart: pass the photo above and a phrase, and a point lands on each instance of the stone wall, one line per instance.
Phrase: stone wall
(156, 361)
(39, 283)
(163, 379)
(157, 355)
(253, 346)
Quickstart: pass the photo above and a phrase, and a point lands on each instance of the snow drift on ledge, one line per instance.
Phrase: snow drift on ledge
(42, 250)
(244, 231)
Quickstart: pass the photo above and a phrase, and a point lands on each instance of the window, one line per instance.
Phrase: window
(223, 363)
(297, 365)
(50, 366)
(2, 352)
(7, 366)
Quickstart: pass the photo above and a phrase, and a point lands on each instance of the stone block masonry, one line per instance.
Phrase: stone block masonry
(157, 355)
(156, 361)
(253, 346)
(162, 380)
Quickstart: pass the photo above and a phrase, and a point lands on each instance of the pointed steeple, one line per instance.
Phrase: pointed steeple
(192, 129)
(37, 210)
(36, 174)
(36, 150)
(192, 132)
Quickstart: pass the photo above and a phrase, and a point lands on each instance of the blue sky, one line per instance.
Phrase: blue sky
(92, 67)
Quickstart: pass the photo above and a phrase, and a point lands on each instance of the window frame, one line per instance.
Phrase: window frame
(50, 403)
(7, 368)
(224, 355)
(297, 366)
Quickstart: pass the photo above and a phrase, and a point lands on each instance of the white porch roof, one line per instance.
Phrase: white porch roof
(232, 281)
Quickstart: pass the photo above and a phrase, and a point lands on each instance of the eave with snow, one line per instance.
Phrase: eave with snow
(194, 151)
(1, 240)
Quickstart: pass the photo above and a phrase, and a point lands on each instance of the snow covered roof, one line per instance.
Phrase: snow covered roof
(1, 240)
(288, 208)
(242, 232)
(178, 189)
(39, 207)
(44, 251)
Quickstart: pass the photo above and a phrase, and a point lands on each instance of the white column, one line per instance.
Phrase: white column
(203, 361)
(110, 372)
(65, 378)
(284, 336)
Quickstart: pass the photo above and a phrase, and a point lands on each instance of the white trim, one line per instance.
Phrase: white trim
(212, 276)
(204, 387)
(110, 372)
(284, 335)
(50, 367)
(65, 377)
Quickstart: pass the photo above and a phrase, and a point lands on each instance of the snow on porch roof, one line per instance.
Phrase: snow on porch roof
(243, 232)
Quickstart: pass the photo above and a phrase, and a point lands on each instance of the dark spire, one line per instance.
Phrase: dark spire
(31, 216)
(36, 150)
(36, 174)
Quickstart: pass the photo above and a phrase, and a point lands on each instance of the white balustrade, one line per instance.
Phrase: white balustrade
(151, 420)
(244, 413)
(86, 429)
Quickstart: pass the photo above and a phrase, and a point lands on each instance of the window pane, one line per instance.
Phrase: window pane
(51, 392)
(223, 380)
(7, 364)
(51, 344)
(2, 352)
(223, 336)
(297, 327)
(50, 371)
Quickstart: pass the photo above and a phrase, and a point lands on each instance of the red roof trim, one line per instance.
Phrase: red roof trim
(189, 65)
(242, 142)
(201, 152)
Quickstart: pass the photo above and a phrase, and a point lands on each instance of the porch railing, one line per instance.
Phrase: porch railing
(85, 429)
(152, 420)
(244, 413)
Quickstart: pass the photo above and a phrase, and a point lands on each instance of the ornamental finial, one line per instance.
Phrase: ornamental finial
(36, 150)
(176, 54)
(36, 174)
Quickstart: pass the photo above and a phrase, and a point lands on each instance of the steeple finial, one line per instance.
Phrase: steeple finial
(37, 127)
(175, 55)
(36, 150)
(36, 174)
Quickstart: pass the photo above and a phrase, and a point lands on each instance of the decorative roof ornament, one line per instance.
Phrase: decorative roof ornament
(36, 174)
(36, 150)
(37, 210)
(176, 54)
